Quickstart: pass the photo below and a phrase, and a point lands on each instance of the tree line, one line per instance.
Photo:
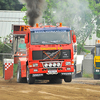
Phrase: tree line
(10, 5)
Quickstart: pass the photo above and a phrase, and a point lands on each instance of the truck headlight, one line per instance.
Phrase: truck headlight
(68, 63)
(50, 65)
(58, 64)
(45, 65)
(35, 64)
(97, 70)
(54, 64)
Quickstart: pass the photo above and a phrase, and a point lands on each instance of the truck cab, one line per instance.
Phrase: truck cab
(96, 62)
(49, 54)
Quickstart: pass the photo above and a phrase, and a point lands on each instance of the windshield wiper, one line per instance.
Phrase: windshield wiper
(53, 42)
(38, 42)
(50, 42)
(63, 42)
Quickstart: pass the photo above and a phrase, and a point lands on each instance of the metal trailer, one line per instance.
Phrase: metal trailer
(78, 63)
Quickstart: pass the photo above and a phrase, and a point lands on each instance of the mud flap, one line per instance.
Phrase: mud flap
(8, 69)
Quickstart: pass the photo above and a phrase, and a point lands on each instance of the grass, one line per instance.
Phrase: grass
(87, 75)
(1, 71)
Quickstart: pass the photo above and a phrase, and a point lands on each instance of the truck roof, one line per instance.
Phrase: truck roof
(21, 29)
(51, 29)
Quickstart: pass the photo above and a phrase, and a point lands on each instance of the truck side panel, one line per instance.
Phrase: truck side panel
(79, 63)
(23, 66)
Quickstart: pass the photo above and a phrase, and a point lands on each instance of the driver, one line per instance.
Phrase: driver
(22, 45)
(36, 38)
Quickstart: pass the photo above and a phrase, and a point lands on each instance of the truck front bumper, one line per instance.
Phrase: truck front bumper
(67, 69)
(97, 71)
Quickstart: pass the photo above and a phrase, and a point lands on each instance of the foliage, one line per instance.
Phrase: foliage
(24, 8)
(95, 7)
(87, 75)
(25, 20)
(1, 71)
(1, 63)
(48, 13)
(81, 48)
(10, 5)
(4, 48)
(25, 17)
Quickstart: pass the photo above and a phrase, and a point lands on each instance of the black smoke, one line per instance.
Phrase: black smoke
(35, 10)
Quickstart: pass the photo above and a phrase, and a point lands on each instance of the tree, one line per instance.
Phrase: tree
(25, 17)
(10, 5)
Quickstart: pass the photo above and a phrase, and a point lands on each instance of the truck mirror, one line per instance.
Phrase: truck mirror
(26, 39)
(74, 38)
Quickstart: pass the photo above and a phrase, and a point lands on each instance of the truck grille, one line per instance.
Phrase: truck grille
(51, 54)
(97, 64)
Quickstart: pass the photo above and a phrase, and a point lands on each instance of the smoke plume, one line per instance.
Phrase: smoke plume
(71, 11)
(35, 10)
(75, 14)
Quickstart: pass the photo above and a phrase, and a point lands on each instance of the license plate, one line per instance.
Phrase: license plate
(52, 71)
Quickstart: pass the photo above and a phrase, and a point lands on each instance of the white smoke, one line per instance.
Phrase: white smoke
(71, 10)
(75, 14)
(21, 1)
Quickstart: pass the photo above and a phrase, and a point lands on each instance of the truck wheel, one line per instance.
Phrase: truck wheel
(68, 78)
(56, 80)
(19, 78)
(30, 79)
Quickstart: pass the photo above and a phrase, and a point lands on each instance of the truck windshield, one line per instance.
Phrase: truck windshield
(50, 38)
(98, 51)
(19, 45)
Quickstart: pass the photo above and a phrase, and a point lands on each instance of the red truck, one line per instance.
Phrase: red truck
(48, 55)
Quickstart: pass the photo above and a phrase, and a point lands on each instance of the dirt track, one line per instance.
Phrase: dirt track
(78, 89)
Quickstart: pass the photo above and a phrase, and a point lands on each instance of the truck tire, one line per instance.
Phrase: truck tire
(30, 79)
(56, 81)
(19, 78)
(68, 78)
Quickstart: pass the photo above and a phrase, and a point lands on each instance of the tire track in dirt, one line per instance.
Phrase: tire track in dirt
(11, 90)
